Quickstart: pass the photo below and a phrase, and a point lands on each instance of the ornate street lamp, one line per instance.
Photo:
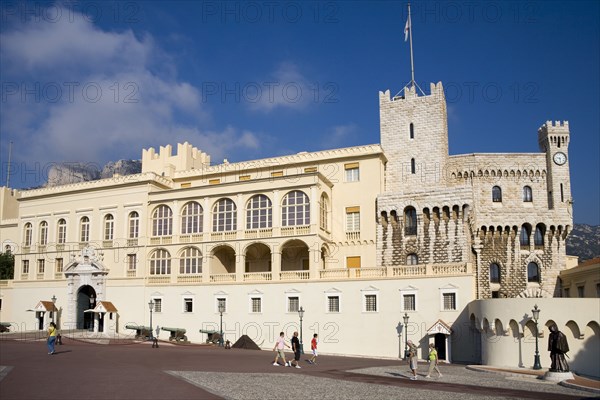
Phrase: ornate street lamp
(151, 307)
(536, 360)
(301, 315)
(91, 319)
(405, 318)
(53, 306)
(221, 311)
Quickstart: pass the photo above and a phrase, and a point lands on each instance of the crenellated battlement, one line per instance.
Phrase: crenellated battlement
(410, 93)
(165, 163)
(551, 127)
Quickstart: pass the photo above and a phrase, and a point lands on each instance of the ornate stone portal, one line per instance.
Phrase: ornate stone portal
(86, 279)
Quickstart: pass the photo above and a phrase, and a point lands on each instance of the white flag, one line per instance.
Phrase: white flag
(406, 28)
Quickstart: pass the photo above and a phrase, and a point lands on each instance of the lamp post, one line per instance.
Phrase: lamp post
(301, 315)
(91, 322)
(53, 306)
(151, 307)
(405, 318)
(536, 360)
(221, 311)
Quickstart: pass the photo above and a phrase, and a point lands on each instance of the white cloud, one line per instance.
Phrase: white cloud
(338, 135)
(285, 88)
(74, 92)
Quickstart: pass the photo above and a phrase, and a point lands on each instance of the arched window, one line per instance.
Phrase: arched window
(224, 216)
(412, 259)
(496, 194)
(533, 272)
(410, 221)
(525, 234)
(259, 212)
(43, 233)
(190, 261)
(160, 262)
(538, 237)
(27, 234)
(162, 221)
(494, 273)
(527, 194)
(412, 130)
(295, 209)
(109, 227)
(61, 236)
(413, 167)
(134, 225)
(84, 230)
(191, 218)
(323, 206)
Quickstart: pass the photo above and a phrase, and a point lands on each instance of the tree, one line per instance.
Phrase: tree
(7, 266)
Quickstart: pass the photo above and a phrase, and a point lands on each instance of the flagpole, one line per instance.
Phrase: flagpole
(412, 65)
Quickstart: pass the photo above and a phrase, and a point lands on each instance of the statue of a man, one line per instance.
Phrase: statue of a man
(558, 347)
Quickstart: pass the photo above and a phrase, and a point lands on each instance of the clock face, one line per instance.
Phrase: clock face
(560, 158)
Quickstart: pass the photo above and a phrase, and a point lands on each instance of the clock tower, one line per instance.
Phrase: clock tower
(553, 139)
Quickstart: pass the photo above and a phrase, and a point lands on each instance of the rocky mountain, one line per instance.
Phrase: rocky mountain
(584, 242)
(65, 173)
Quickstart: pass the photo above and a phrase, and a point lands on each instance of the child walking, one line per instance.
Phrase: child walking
(313, 347)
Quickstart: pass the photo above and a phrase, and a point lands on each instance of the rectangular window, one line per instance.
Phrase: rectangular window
(256, 304)
(131, 262)
(188, 305)
(449, 301)
(276, 173)
(409, 301)
(25, 266)
(370, 302)
(353, 262)
(221, 302)
(566, 292)
(352, 172)
(352, 219)
(310, 169)
(41, 263)
(495, 294)
(185, 185)
(333, 304)
(59, 265)
(244, 177)
(214, 181)
(580, 291)
(157, 305)
(293, 304)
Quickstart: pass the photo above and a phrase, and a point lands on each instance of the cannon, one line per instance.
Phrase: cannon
(141, 332)
(213, 337)
(5, 326)
(176, 334)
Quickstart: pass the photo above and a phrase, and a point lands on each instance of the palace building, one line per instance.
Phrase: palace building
(376, 243)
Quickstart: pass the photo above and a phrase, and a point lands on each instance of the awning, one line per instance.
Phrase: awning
(44, 306)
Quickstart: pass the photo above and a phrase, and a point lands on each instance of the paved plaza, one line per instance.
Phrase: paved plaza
(134, 370)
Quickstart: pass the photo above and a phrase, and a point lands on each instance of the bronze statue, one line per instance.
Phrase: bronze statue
(558, 347)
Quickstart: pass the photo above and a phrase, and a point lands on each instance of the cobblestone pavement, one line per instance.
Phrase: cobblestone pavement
(133, 371)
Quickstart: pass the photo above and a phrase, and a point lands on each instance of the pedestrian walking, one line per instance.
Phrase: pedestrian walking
(280, 346)
(412, 359)
(296, 349)
(313, 347)
(433, 361)
(51, 337)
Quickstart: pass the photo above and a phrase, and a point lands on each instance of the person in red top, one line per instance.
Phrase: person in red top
(313, 347)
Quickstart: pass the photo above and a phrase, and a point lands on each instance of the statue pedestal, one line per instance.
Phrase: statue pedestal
(557, 376)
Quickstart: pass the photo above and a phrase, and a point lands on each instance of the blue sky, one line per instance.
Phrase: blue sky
(97, 81)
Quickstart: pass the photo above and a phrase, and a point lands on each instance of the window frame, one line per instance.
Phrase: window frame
(295, 209)
(224, 213)
(27, 234)
(109, 227)
(133, 225)
(84, 229)
(259, 212)
(162, 221)
(190, 261)
(527, 194)
(534, 278)
(496, 194)
(164, 269)
(192, 218)
(43, 233)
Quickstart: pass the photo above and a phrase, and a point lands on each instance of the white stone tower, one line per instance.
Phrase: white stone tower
(414, 137)
(553, 138)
